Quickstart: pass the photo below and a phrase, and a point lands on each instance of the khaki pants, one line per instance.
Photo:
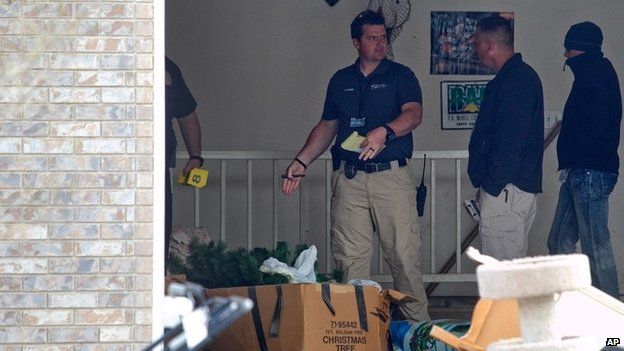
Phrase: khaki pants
(506, 221)
(385, 201)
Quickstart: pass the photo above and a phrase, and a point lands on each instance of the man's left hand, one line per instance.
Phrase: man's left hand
(372, 145)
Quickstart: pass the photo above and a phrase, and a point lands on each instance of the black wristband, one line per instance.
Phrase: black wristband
(390, 134)
(301, 163)
(199, 158)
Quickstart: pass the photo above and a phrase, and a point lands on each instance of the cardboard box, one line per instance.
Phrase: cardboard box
(310, 317)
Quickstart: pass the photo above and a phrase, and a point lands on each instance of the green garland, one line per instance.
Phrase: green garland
(212, 266)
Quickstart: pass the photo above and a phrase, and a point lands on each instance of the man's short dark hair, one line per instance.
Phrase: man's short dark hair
(499, 27)
(365, 17)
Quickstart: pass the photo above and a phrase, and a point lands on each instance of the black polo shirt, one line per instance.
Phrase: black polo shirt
(364, 103)
(179, 102)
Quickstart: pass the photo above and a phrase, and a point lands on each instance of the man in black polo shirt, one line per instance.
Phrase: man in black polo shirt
(372, 189)
(506, 145)
(180, 105)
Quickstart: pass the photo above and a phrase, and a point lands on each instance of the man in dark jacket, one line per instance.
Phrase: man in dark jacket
(505, 148)
(588, 156)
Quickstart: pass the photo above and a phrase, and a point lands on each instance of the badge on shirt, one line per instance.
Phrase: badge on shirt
(357, 122)
(168, 79)
(378, 86)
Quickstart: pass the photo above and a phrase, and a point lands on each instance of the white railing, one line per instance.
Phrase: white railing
(276, 157)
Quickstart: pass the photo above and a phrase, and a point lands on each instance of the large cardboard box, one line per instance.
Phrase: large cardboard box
(310, 317)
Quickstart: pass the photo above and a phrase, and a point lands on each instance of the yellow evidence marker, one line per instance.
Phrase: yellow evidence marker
(197, 177)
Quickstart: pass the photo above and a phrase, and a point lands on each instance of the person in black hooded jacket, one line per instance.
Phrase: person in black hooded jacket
(588, 156)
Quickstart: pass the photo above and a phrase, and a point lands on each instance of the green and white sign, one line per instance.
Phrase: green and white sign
(461, 102)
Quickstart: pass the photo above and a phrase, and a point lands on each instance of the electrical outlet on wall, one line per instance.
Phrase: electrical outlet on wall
(551, 117)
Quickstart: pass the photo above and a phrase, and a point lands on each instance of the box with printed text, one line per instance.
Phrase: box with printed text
(310, 317)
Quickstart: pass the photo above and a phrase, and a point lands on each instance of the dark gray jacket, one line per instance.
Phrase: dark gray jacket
(506, 145)
(590, 131)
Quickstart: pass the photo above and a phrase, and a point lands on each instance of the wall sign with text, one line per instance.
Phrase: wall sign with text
(460, 103)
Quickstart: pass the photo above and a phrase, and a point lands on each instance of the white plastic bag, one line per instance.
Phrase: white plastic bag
(365, 282)
(303, 272)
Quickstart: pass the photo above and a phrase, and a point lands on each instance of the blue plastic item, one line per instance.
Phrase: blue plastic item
(407, 336)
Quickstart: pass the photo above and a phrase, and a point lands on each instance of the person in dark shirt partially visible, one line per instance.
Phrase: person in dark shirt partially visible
(506, 146)
(587, 150)
(179, 105)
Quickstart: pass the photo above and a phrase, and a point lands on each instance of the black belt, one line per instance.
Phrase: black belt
(370, 167)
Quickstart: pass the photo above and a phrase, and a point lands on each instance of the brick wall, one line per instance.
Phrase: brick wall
(76, 160)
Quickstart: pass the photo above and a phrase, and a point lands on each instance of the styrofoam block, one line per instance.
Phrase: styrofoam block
(565, 344)
(533, 276)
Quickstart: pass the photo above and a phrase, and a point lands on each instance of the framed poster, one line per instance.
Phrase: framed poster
(452, 42)
(461, 102)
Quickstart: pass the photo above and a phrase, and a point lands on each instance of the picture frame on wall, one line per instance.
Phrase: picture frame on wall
(452, 42)
(460, 103)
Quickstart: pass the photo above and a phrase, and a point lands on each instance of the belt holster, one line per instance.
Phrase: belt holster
(350, 170)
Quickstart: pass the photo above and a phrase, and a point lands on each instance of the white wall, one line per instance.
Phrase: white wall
(259, 70)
